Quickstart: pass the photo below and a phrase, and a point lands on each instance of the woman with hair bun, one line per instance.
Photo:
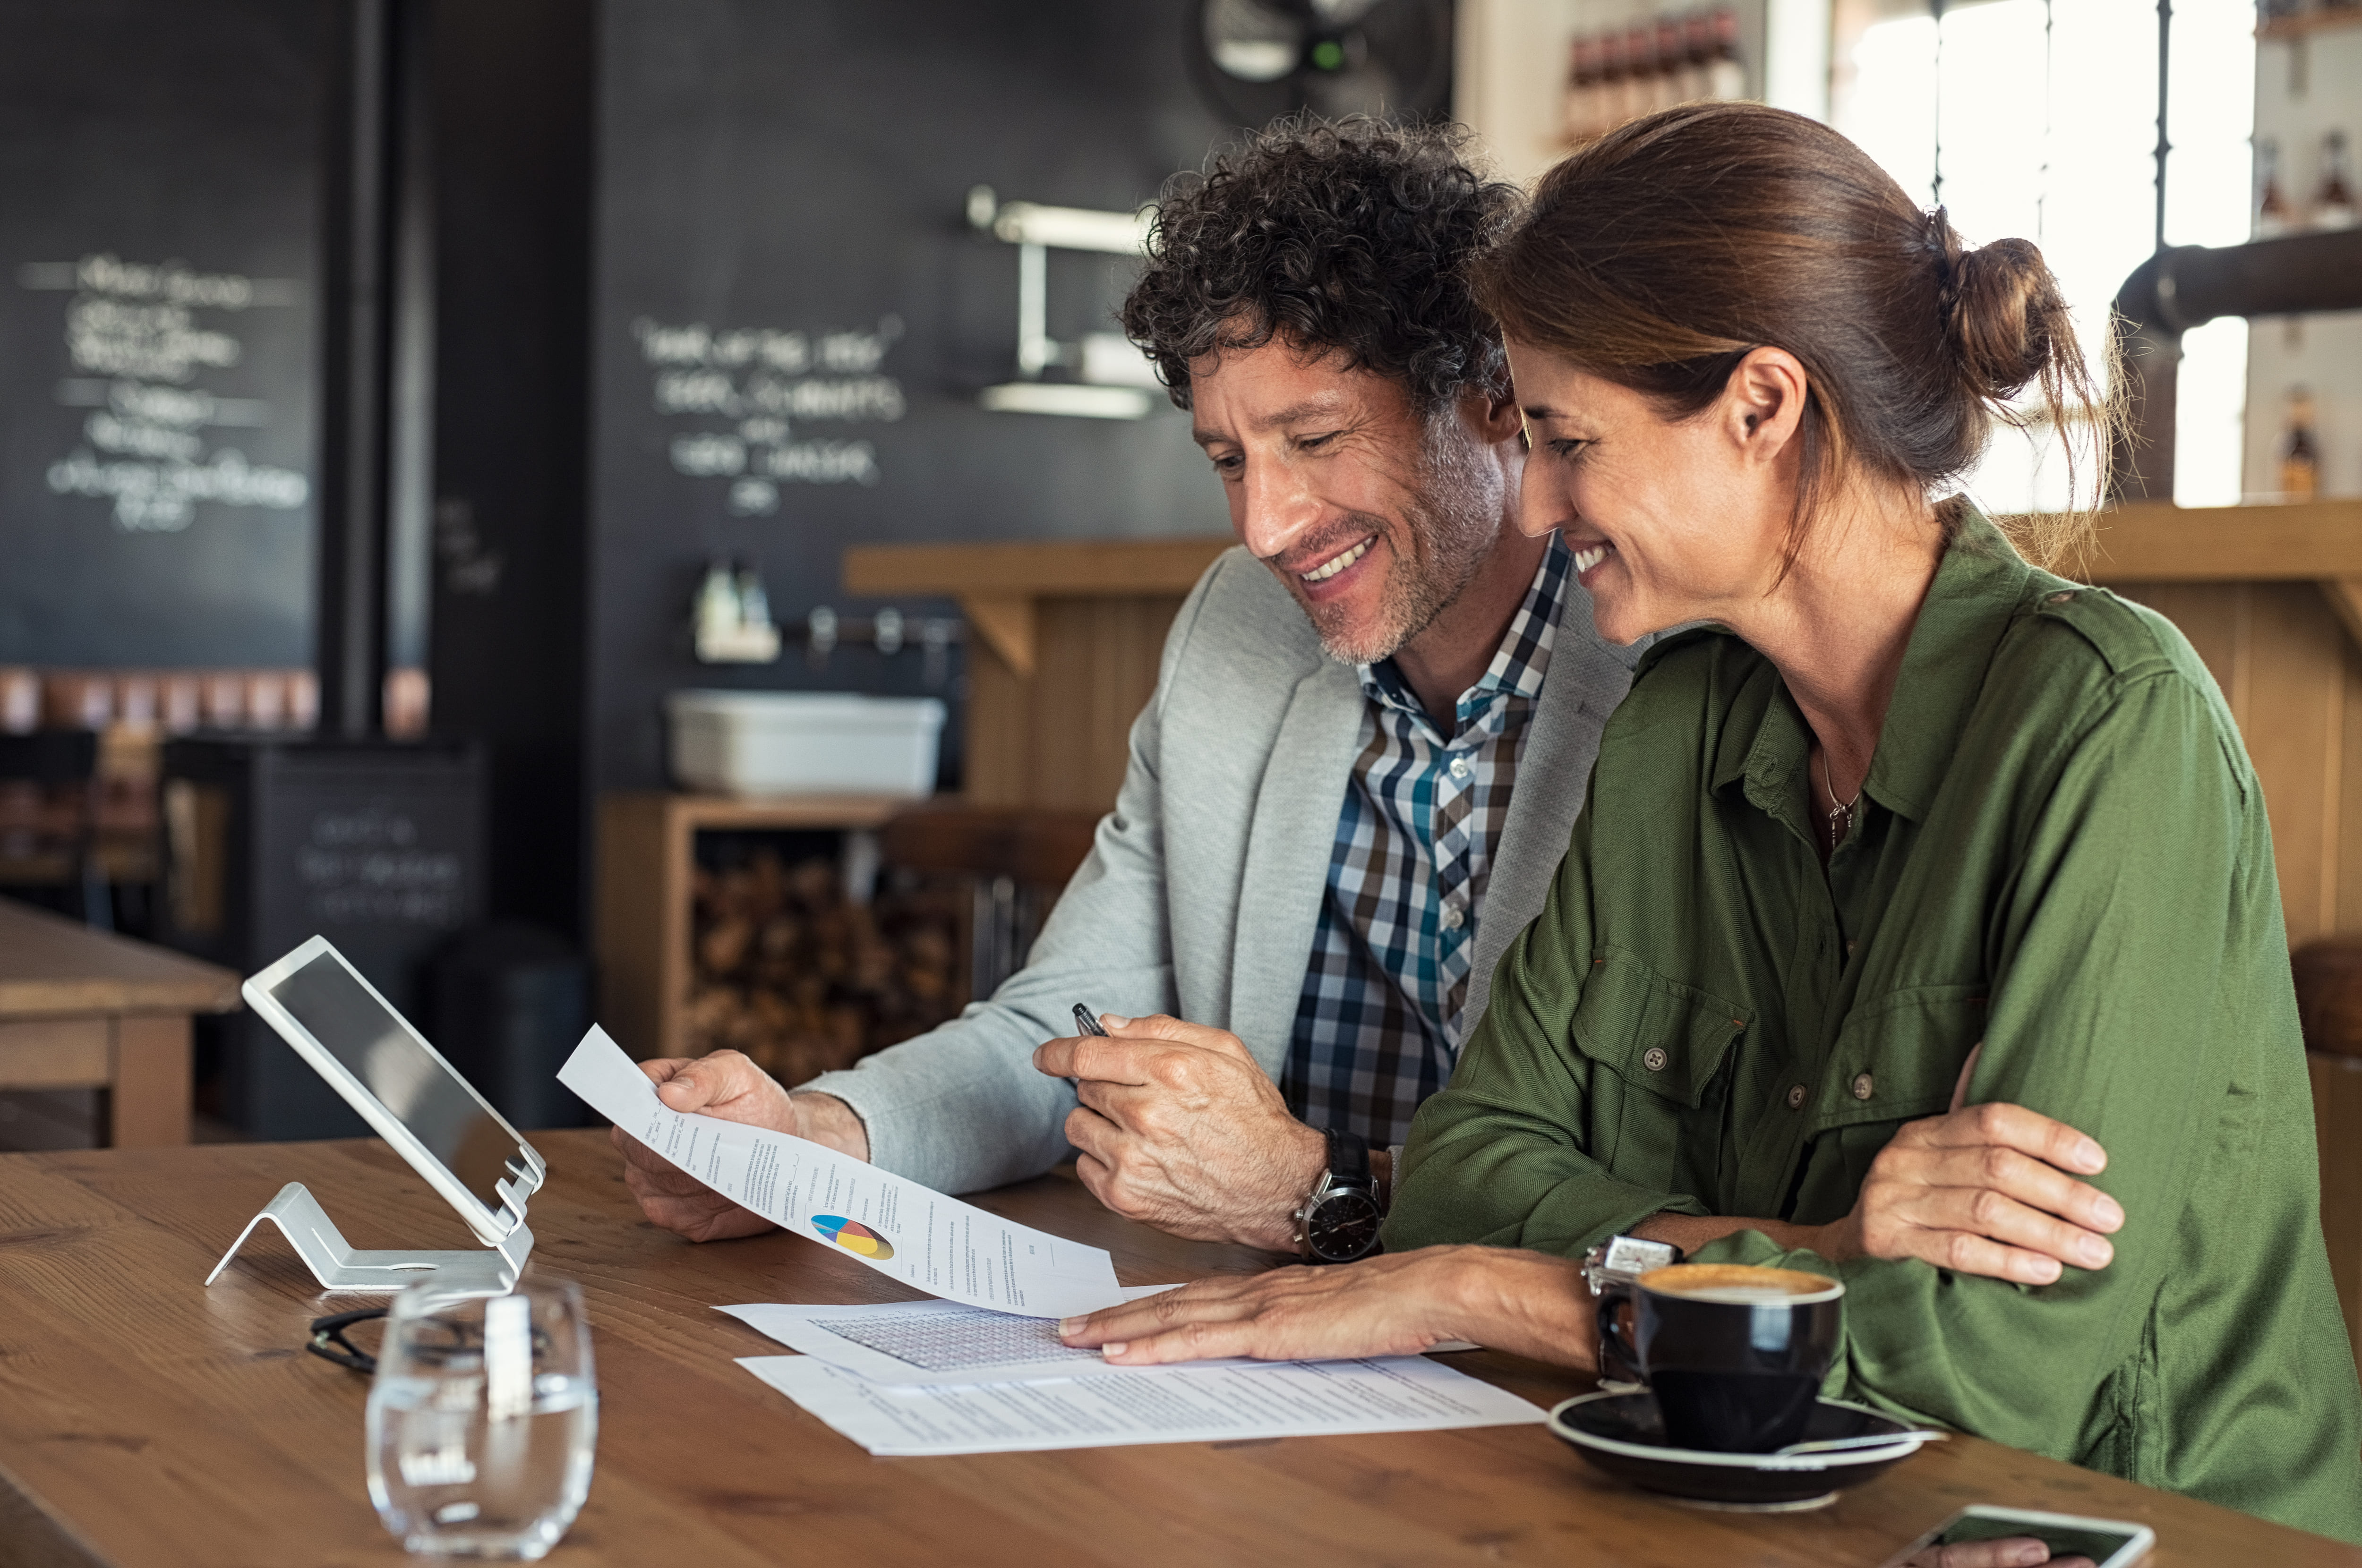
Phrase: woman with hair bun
(1921, 929)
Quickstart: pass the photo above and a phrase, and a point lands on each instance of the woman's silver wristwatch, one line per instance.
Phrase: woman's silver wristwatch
(1620, 1260)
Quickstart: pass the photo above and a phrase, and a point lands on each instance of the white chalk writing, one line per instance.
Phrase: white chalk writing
(750, 387)
(134, 331)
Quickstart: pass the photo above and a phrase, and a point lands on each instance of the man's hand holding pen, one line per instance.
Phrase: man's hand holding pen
(1181, 1128)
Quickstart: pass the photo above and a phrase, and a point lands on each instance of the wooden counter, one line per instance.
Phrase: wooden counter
(1066, 635)
(148, 1421)
(2150, 541)
(1065, 638)
(2271, 597)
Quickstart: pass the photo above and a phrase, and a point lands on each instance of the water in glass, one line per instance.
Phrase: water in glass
(483, 1419)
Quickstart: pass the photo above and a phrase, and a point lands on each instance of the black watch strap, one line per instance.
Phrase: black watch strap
(1348, 1158)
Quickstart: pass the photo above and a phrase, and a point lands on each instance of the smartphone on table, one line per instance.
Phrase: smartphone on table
(1981, 1537)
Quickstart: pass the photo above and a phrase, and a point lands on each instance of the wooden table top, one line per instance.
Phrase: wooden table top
(146, 1420)
(50, 966)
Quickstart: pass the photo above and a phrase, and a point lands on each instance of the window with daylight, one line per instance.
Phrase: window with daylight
(2039, 118)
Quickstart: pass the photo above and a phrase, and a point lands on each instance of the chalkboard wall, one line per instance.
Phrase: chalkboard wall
(792, 318)
(159, 180)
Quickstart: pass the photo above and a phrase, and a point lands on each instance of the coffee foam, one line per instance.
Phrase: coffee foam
(1740, 1284)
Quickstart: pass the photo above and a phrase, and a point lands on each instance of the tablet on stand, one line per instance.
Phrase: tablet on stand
(417, 1103)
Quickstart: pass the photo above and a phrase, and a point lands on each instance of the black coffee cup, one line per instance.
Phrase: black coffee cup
(1735, 1354)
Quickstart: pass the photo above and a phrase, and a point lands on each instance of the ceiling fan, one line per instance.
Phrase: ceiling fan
(1255, 59)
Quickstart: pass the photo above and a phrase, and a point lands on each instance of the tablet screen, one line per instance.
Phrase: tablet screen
(428, 1097)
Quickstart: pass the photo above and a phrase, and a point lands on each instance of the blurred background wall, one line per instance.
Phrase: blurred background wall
(386, 384)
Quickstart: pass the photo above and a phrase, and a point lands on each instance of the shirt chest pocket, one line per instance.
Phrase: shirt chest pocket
(1657, 1047)
(1897, 1059)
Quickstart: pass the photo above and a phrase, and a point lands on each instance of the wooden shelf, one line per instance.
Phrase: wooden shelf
(788, 812)
(2322, 20)
(1038, 569)
(647, 855)
(647, 861)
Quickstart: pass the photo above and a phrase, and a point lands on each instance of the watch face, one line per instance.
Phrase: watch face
(1342, 1226)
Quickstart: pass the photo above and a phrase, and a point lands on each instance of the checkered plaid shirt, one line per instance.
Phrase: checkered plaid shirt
(1378, 1024)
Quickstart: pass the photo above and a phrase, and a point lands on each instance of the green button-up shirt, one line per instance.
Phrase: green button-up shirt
(2061, 852)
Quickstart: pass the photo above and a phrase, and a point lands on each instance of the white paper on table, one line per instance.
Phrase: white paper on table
(919, 1343)
(934, 1242)
(1199, 1404)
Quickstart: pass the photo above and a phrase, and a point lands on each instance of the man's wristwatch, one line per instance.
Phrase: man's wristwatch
(1339, 1222)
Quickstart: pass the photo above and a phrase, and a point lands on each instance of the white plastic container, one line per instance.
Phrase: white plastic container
(804, 742)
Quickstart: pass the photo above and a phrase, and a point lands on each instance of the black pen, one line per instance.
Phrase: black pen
(1085, 1022)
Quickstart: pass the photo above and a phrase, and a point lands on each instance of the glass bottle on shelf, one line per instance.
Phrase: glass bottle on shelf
(2335, 206)
(1672, 65)
(1640, 71)
(1725, 75)
(2300, 453)
(2273, 215)
(1614, 71)
(1697, 55)
(1582, 93)
(717, 603)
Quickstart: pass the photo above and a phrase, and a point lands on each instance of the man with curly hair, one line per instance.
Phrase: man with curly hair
(1293, 913)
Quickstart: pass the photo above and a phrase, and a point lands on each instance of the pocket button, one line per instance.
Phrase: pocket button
(1796, 1097)
(1655, 1059)
(1862, 1087)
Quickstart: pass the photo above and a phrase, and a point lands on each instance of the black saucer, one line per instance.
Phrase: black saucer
(1623, 1434)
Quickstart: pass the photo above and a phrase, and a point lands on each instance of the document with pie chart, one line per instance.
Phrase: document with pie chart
(914, 1234)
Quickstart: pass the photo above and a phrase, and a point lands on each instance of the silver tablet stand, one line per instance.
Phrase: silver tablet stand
(339, 1266)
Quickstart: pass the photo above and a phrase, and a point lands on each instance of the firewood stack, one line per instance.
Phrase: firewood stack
(803, 980)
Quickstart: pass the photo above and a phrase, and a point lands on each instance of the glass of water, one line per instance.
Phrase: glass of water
(483, 1419)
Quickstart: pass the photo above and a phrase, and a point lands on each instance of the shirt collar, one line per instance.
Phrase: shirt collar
(1518, 664)
(1979, 585)
(1976, 595)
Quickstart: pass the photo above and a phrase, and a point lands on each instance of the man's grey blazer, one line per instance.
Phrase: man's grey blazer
(1204, 884)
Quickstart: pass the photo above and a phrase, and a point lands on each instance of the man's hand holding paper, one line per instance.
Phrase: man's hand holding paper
(915, 1234)
(729, 1087)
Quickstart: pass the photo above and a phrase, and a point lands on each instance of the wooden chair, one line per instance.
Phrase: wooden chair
(2329, 1001)
(50, 779)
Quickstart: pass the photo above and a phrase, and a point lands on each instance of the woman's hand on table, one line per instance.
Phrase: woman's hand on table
(1986, 1189)
(1397, 1304)
(729, 1086)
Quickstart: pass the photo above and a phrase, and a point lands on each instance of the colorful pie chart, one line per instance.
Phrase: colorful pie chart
(853, 1236)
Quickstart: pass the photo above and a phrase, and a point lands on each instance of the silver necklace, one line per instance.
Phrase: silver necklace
(1839, 815)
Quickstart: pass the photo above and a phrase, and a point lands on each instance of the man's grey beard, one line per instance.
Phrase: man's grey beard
(1453, 516)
